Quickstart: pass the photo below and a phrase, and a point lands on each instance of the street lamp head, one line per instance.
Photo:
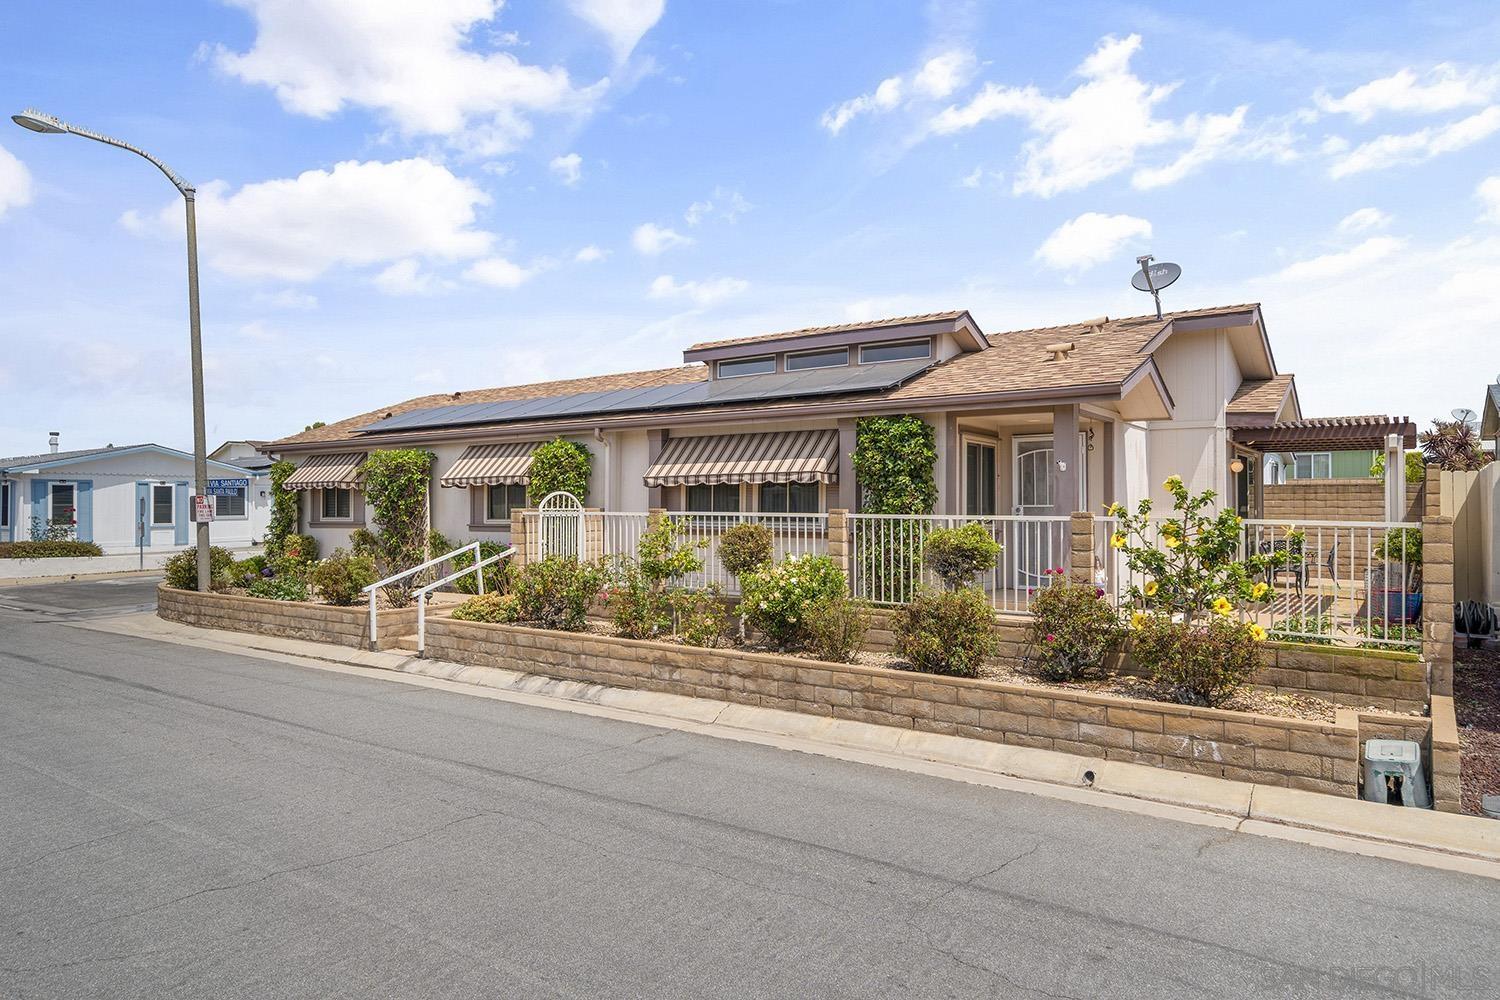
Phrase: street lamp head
(38, 122)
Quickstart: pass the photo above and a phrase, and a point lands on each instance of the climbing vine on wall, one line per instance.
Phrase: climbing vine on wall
(395, 486)
(894, 461)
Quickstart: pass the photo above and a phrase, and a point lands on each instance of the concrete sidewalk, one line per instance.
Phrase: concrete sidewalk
(1441, 840)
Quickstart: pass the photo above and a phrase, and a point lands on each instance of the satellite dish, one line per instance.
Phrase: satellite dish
(1158, 277)
(1464, 415)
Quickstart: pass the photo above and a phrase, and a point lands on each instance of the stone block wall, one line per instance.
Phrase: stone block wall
(1335, 500)
(288, 619)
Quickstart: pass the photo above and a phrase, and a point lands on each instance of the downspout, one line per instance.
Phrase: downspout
(609, 469)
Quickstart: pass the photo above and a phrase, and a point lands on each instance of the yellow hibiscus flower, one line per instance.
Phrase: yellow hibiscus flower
(1172, 483)
(1115, 510)
(1151, 588)
(1117, 539)
(1257, 633)
(1259, 590)
(1138, 619)
(1221, 606)
(1171, 541)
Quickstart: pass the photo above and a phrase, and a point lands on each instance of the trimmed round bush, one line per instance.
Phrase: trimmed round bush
(744, 547)
(956, 554)
(1202, 664)
(948, 632)
(340, 579)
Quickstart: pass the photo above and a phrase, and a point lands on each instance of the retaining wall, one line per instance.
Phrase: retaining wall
(288, 619)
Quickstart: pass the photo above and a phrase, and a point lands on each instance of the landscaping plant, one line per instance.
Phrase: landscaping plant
(836, 628)
(556, 593)
(340, 578)
(494, 608)
(776, 597)
(701, 618)
(283, 507)
(956, 554)
(58, 549)
(1201, 663)
(1453, 446)
(496, 574)
(559, 465)
(1073, 629)
(395, 487)
(947, 632)
(744, 546)
(283, 587)
(894, 458)
(181, 570)
(637, 610)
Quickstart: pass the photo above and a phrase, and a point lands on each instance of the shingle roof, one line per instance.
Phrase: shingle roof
(1102, 355)
(1261, 395)
(810, 331)
(62, 456)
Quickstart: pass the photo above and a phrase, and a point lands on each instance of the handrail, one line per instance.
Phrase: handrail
(422, 593)
(374, 588)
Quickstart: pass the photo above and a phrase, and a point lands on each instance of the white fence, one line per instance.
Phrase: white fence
(886, 566)
(1340, 582)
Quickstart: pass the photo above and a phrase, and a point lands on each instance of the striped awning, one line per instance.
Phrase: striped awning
(780, 457)
(327, 472)
(492, 465)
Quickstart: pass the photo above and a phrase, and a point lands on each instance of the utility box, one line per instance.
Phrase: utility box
(1393, 773)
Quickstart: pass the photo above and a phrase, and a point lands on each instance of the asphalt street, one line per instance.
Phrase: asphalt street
(185, 823)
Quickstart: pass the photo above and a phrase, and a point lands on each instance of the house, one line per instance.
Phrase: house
(126, 498)
(1028, 422)
(245, 454)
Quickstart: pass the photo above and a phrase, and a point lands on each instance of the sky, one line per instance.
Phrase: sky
(397, 199)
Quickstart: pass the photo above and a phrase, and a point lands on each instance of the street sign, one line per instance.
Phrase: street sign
(203, 509)
(227, 487)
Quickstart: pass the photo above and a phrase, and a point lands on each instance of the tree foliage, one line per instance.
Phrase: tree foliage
(894, 458)
(1454, 446)
(395, 486)
(283, 507)
(559, 465)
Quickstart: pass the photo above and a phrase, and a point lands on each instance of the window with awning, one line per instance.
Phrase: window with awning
(778, 457)
(492, 465)
(335, 471)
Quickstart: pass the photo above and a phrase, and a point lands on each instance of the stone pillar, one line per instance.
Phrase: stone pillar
(1065, 471)
(1437, 590)
(838, 538)
(1081, 547)
(520, 536)
(1443, 757)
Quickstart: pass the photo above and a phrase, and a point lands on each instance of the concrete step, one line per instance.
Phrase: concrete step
(407, 643)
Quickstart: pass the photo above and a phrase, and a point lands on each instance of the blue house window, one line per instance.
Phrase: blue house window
(5, 504)
(161, 505)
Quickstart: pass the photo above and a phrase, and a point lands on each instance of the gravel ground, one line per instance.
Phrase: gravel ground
(1476, 702)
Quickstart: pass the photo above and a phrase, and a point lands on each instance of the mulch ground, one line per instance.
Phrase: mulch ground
(1476, 702)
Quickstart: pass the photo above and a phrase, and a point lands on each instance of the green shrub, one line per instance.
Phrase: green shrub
(287, 587)
(1072, 630)
(1401, 545)
(947, 632)
(637, 611)
(341, 577)
(701, 619)
(1200, 663)
(836, 628)
(494, 608)
(283, 507)
(775, 598)
(182, 568)
(744, 547)
(301, 549)
(559, 465)
(496, 574)
(395, 487)
(48, 550)
(556, 593)
(956, 554)
(1316, 630)
(894, 460)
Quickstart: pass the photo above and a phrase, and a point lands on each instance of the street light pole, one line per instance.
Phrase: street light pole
(36, 121)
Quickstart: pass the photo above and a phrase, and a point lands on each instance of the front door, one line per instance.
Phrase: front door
(1039, 545)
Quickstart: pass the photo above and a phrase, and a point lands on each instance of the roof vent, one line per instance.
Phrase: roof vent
(1095, 325)
(457, 394)
(1060, 350)
(52, 437)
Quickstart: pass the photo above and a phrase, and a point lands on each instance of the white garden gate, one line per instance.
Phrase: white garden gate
(560, 526)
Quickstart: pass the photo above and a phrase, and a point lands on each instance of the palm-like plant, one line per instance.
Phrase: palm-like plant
(1453, 445)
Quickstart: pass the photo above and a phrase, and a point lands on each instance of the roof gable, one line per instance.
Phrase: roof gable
(54, 460)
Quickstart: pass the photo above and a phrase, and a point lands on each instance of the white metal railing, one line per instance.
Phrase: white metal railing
(477, 569)
(1341, 583)
(792, 535)
(886, 565)
(373, 590)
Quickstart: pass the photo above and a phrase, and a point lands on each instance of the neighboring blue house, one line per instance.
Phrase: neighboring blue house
(121, 497)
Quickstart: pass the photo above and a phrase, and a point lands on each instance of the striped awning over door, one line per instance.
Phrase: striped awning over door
(780, 457)
(338, 471)
(492, 465)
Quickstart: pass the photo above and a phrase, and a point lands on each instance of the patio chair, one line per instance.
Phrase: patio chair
(1295, 566)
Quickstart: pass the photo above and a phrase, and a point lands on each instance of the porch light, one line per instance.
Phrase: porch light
(1238, 465)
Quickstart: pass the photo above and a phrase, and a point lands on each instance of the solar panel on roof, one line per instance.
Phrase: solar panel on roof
(782, 385)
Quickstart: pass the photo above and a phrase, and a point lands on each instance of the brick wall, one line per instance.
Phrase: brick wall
(1335, 500)
(288, 619)
(1236, 745)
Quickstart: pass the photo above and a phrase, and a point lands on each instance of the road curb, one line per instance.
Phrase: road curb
(1417, 836)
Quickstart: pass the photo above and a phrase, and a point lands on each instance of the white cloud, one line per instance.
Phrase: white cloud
(568, 168)
(406, 277)
(15, 182)
(703, 293)
(1416, 147)
(355, 215)
(1363, 220)
(1099, 128)
(884, 97)
(623, 22)
(1343, 263)
(941, 75)
(589, 254)
(497, 272)
(286, 298)
(725, 204)
(653, 240)
(1090, 239)
(411, 62)
(1488, 192)
(1445, 87)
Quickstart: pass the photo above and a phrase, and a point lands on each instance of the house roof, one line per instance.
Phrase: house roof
(809, 331)
(1107, 356)
(1263, 395)
(1489, 425)
(1354, 433)
(51, 459)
